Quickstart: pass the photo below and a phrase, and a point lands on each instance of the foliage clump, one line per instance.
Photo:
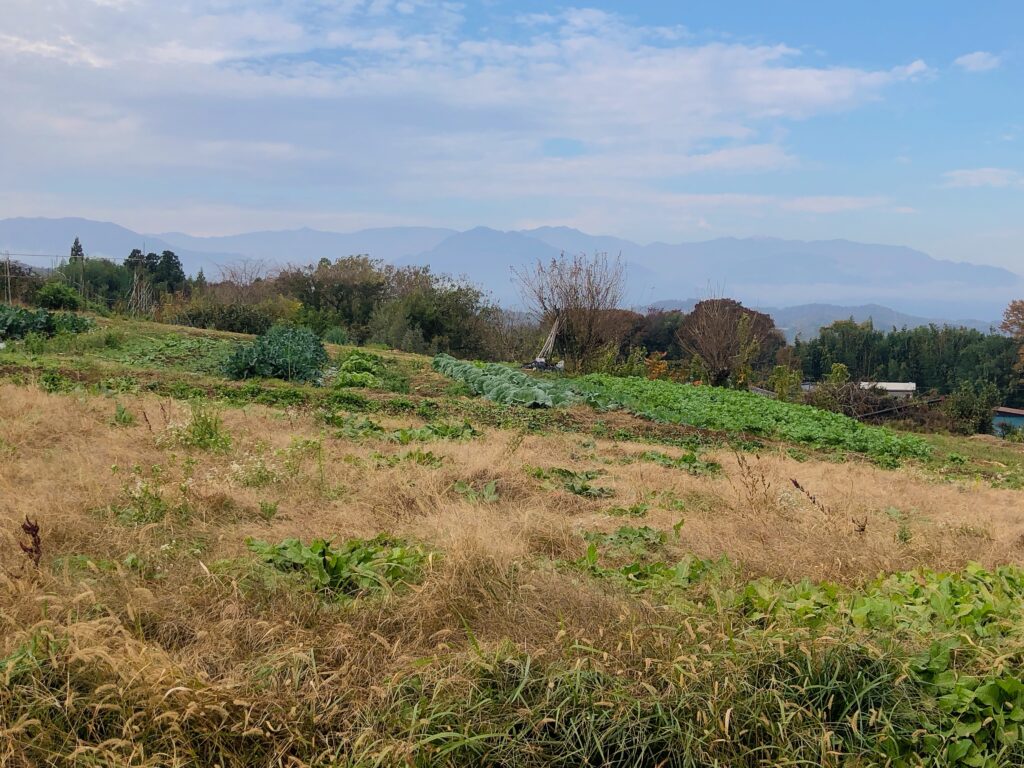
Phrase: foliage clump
(16, 323)
(283, 352)
(358, 567)
(236, 317)
(58, 295)
(360, 368)
(204, 430)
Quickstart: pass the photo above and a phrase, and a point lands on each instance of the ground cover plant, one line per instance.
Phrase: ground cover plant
(17, 322)
(732, 410)
(503, 384)
(357, 567)
(261, 573)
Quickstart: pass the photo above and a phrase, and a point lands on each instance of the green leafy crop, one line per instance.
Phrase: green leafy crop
(16, 323)
(283, 352)
(732, 410)
(505, 385)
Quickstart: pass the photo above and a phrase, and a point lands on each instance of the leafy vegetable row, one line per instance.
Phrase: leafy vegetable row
(732, 410)
(504, 385)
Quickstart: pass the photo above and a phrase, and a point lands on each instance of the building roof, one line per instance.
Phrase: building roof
(1004, 411)
(890, 386)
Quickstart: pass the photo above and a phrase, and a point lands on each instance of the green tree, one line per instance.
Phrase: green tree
(785, 382)
(77, 252)
(136, 260)
(168, 275)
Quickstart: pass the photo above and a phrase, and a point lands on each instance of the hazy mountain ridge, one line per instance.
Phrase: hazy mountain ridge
(759, 271)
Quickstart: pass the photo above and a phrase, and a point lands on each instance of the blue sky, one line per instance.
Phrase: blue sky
(883, 122)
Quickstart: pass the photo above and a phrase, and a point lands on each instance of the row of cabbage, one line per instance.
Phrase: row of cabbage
(505, 385)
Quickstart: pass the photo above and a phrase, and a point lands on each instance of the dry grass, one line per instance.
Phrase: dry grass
(140, 622)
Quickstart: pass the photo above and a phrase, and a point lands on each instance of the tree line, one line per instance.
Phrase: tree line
(360, 300)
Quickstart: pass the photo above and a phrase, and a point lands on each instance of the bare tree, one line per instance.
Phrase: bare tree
(727, 339)
(510, 335)
(579, 291)
(242, 281)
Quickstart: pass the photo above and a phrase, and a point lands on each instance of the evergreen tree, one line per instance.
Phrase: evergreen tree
(168, 274)
(135, 260)
(77, 252)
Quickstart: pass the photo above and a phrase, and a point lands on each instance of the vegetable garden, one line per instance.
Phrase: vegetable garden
(258, 552)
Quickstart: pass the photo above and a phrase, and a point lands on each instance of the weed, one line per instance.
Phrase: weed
(255, 473)
(635, 540)
(34, 549)
(639, 509)
(118, 385)
(55, 383)
(585, 489)
(143, 499)
(577, 482)
(434, 431)
(204, 430)
(656, 575)
(347, 401)
(268, 510)
(903, 534)
(417, 456)
(122, 416)
(356, 427)
(688, 462)
(358, 567)
(487, 494)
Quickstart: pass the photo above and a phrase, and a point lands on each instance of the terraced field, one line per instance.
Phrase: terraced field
(390, 569)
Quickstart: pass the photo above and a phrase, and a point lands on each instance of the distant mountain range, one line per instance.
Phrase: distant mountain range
(846, 277)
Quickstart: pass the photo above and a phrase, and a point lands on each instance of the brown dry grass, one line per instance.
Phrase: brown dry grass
(187, 645)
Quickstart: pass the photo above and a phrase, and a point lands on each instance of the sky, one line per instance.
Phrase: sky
(883, 122)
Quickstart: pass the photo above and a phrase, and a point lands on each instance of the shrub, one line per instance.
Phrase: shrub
(970, 407)
(283, 352)
(336, 335)
(56, 295)
(237, 318)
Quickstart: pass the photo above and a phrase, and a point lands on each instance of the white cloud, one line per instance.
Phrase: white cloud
(984, 177)
(979, 61)
(371, 102)
(832, 203)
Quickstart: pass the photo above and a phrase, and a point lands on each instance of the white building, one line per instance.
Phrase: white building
(893, 388)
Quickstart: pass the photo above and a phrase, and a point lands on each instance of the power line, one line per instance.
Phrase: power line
(36, 255)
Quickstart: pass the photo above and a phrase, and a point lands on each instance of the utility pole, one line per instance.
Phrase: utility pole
(7, 262)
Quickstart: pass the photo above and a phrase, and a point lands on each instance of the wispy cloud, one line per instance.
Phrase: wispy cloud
(979, 61)
(984, 177)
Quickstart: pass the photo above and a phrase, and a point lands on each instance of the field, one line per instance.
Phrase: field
(398, 571)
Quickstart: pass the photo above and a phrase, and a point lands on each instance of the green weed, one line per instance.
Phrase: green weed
(358, 567)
